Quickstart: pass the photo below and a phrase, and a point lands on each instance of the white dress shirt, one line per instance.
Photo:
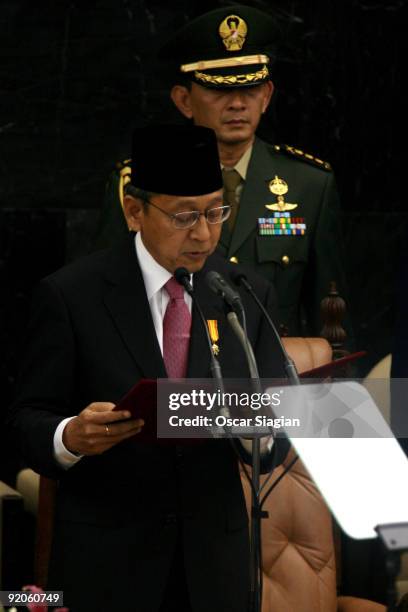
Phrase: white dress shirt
(155, 277)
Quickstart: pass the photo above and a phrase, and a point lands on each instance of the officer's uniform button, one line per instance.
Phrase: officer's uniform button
(234, 260)
(285, 260)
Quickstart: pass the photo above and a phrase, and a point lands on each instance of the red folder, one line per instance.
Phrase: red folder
(333, 367)
(141, 401)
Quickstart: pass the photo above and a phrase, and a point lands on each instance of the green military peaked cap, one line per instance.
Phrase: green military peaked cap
(227, 47)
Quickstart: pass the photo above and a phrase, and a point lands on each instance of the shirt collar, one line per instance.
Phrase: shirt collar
(242, 166)
(154, 275)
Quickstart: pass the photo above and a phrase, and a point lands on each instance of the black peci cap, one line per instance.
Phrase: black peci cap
(227, 47)
(179, 160)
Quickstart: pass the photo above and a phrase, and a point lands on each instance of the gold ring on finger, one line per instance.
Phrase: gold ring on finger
(107, 430)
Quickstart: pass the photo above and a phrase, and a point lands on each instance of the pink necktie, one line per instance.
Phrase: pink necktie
(176, 331)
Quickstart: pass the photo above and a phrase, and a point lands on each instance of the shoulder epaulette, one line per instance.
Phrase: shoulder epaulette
(125, 163)
(306, 157)
(123, 167)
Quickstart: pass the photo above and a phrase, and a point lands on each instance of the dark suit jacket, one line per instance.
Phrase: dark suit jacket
(314, 260)
(117, 517)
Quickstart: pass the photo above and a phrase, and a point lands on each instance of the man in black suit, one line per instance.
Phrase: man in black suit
(141, 527)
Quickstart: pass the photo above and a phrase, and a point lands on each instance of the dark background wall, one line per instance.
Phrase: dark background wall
(75, 76)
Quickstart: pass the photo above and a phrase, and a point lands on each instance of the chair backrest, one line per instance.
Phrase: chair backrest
(297, 545)
(308, 353)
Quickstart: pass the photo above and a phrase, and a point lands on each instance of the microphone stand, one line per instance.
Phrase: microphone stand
(256, 513)
(289, 365)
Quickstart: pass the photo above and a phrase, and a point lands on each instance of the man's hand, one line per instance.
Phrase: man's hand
(96, 429)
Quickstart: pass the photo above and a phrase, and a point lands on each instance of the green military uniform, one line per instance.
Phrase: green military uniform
(301, 265)
(296, 241)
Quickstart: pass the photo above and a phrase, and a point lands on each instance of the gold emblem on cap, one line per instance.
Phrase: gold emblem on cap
(233, 31)
(280, 188)
(214, 335)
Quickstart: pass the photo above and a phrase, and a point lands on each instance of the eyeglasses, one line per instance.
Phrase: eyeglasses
(184, 220)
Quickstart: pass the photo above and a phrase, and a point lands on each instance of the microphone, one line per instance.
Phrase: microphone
(240, 279)
(182, 276)
(246, 345)
(220, 286)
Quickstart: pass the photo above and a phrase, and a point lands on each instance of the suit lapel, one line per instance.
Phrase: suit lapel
(126, 300)
(254, 196)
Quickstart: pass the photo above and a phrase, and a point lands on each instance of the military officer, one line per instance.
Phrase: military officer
(286, 217)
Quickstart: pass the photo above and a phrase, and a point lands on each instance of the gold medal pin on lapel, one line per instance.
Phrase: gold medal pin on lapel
(214, 335)
(279, 188)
